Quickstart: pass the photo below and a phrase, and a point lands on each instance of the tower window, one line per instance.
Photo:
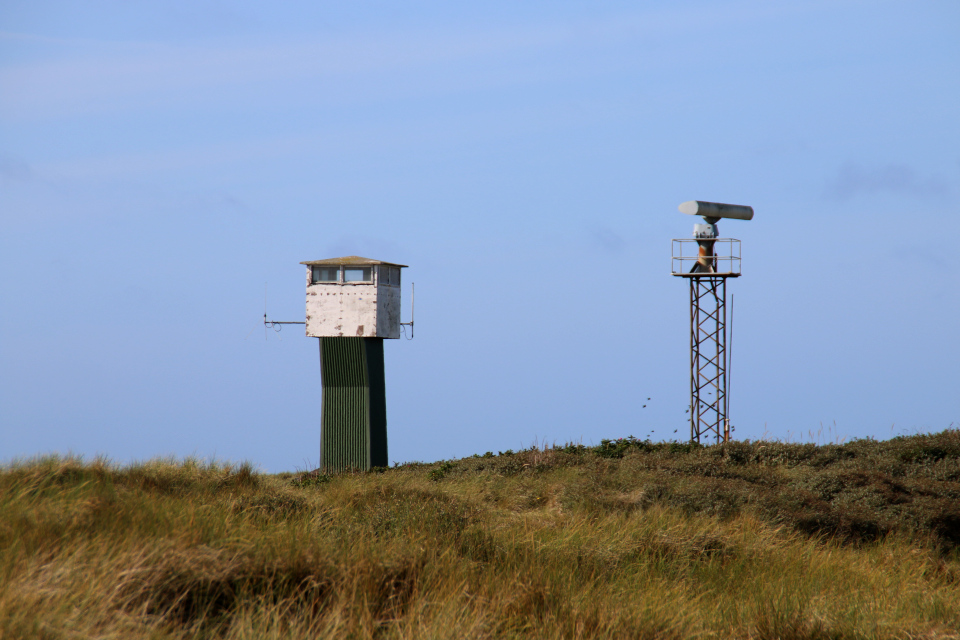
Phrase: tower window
(326, 274)
(358, 274)
(390, 275)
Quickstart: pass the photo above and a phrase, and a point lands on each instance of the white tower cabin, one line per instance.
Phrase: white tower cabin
(353, 297)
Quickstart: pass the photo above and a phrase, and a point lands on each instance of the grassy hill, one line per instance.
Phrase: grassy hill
(626, 540)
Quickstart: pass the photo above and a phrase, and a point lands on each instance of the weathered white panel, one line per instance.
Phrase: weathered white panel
(338, 310)
(388, 311)
(342, 310)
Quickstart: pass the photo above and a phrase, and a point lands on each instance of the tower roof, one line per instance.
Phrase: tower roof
(350, 260)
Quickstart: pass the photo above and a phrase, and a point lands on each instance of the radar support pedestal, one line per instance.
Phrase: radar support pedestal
(708, 358)
(708, 262)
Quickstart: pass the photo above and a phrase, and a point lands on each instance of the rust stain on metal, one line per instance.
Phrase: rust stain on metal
(706, 262)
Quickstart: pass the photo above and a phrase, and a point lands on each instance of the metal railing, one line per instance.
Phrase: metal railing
(685, 258)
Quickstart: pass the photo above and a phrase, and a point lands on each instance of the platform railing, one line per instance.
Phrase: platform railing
(685, 258)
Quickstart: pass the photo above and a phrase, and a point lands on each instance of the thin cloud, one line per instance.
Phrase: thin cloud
(96, 77)
(15, 170)
(179, 159)
(854, 180)
(608, 240)
(85, 81)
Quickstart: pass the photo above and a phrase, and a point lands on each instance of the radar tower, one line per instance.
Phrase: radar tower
(707, 261)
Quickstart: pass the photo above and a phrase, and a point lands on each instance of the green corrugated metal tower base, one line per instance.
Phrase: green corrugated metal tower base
(353, 431)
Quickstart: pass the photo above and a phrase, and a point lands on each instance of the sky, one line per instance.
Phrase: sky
(165, 167)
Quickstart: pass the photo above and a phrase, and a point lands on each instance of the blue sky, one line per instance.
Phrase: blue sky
(159, 164)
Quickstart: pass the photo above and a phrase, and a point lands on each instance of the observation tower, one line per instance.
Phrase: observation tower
(353, 305)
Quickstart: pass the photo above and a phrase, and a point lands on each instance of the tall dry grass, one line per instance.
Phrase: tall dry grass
(627, 540)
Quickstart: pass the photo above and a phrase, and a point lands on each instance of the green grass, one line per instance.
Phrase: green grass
(630, 539)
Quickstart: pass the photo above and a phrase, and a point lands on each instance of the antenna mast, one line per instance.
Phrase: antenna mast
(413, 292)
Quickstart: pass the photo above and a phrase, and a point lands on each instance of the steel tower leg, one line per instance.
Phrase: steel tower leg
(708, 358)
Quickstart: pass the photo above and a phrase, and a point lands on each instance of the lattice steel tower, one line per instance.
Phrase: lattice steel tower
(707, 261)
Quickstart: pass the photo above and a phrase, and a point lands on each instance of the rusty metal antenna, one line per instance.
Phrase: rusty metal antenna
(276, 325)
(707, 261)
(404, 325)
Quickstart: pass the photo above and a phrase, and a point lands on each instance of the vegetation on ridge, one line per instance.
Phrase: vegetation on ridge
(630, 539)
